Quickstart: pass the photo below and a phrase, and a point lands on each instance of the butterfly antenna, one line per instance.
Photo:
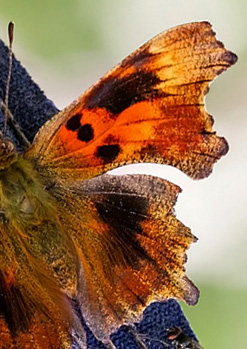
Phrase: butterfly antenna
(8, 117)
(6, 101)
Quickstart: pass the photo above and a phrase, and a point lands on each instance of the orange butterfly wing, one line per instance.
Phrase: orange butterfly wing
(132, 247)
(149, 108)
(27, 313)
(42, 334)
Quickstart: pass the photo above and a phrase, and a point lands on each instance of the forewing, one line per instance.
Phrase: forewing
(149, 108)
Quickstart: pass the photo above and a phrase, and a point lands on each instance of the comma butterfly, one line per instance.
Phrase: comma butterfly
(112, 243)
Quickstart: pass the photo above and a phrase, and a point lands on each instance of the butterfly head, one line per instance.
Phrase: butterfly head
(8, 152)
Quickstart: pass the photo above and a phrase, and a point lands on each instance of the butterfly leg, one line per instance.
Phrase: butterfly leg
(137, 337)
(109, 345)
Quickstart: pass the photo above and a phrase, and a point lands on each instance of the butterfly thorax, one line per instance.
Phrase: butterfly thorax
(29, 215)
(22, 194)
(37, 258)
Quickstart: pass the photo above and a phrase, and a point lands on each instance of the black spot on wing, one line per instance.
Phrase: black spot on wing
(74, 122)
(108, 153)
(13, 308)
(85, 133)
(115, 95)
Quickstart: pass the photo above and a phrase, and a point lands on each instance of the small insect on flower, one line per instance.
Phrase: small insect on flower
(180, 340)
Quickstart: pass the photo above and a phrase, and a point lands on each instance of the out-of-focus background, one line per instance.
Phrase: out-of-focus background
(68, 45)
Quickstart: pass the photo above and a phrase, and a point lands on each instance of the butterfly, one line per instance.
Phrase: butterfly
(181, 341)
(70, 231)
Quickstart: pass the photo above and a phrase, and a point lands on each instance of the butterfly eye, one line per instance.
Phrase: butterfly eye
(7, 147)
(8, 153)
